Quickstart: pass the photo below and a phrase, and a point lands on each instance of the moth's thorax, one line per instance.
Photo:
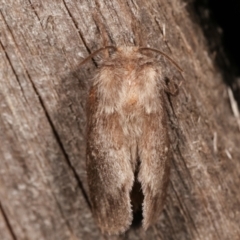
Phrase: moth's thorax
(128, 83)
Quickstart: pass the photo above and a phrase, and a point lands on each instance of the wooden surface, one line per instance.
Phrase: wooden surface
(43, 188)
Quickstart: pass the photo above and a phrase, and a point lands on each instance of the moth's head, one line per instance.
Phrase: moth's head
(127, 53)
(127, 50)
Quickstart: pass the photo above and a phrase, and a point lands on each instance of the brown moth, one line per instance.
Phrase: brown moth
(127, 138)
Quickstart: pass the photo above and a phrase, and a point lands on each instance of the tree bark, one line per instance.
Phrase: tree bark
(43, 187)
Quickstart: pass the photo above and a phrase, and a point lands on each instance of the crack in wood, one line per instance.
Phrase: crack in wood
(76, 26)
(8, 224)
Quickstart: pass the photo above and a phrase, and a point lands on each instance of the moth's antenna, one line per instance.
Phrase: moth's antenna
(96, 52)
(164, 54)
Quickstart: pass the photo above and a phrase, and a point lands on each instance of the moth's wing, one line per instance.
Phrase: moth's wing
(154, 166)
(110, 175)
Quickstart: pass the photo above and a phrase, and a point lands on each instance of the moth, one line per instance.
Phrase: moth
(127, 138)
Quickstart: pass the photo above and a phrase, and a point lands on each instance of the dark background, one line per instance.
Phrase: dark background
(220, 21)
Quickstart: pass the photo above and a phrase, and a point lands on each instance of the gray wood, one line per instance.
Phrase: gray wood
(43, 93)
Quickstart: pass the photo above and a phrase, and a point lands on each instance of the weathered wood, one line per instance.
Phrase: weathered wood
(42, 123)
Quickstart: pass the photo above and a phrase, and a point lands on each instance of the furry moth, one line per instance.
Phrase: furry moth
(127, 138)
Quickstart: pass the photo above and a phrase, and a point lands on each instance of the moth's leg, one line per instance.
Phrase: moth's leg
(154, 166)
(172, 88)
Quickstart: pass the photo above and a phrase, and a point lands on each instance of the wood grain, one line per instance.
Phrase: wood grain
(43, 188)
